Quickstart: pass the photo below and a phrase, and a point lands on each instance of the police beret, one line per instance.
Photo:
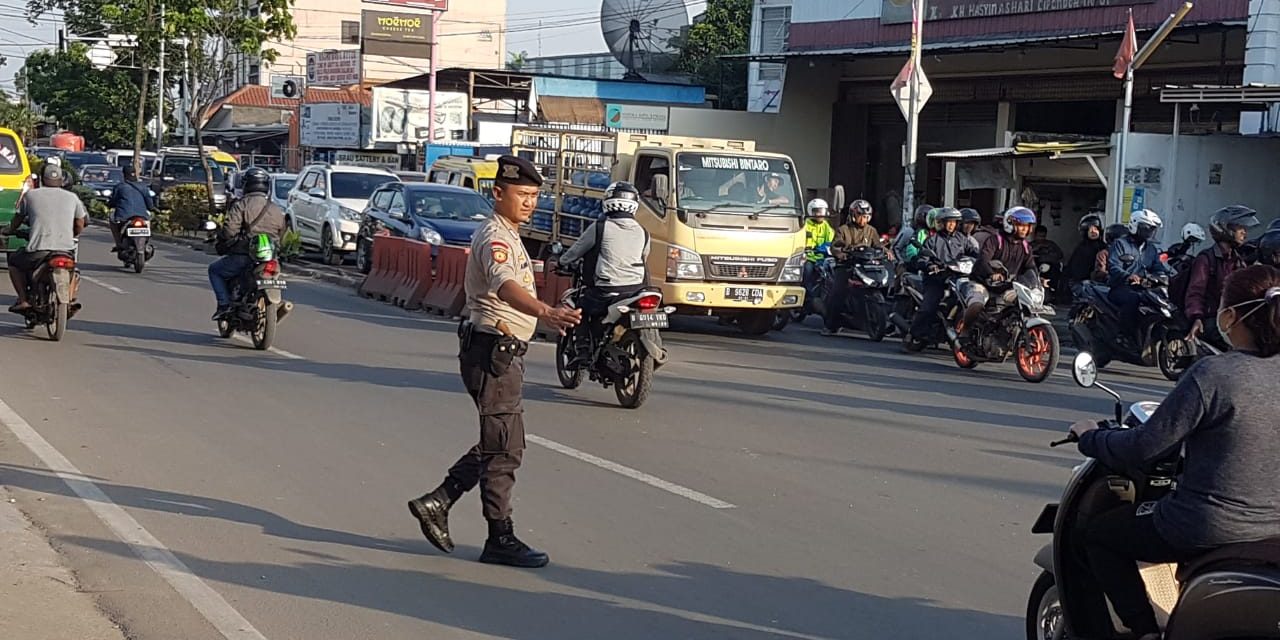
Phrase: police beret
(518, 172)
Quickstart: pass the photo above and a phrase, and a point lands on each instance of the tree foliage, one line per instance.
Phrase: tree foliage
(724, 29)
(98, 105)
(16, 116)
(517, 61)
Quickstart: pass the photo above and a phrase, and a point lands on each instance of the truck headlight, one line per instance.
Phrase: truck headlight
(431, 236)
(683, 264)
(349, 214)
(793, 271)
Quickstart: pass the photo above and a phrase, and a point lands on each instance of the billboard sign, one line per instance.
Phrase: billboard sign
(636, 116)
(404, 35)
(429, 5)
(401, 115)
(330, 125)
(899, 11)
(333, 68)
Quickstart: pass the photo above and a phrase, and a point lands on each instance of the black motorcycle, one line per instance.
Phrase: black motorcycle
(258, 303)
(907, 304)
(135, 243)
(51, 290)
(626, 351)
(1095, 325)
(865, 305)
(816, 290)
(1232, 592)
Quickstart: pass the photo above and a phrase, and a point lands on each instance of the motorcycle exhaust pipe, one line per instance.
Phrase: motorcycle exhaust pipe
(283, 309)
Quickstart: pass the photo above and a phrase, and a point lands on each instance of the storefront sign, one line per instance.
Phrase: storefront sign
(899, 11)
(635, 116)
(333, 68)
(404, 35)
(401, 115)
(375, 159)
(330, 125)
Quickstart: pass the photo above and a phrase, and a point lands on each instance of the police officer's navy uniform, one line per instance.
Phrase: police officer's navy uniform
(493, 342)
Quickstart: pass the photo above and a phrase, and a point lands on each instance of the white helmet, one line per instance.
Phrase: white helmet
(1193, 232)
(1144, 224)
(817, 208)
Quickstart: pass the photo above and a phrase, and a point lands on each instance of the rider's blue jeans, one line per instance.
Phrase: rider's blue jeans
(222, 271)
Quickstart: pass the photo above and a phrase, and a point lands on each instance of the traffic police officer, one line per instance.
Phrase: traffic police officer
(504, 313)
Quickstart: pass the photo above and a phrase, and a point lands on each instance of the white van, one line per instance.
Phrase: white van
(122, 157)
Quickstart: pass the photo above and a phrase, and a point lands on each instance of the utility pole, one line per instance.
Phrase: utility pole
(431, 87)
(186, 91)
(160, 101)
(913, 114)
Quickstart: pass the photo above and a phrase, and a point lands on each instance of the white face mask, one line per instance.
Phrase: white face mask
(1258, 303)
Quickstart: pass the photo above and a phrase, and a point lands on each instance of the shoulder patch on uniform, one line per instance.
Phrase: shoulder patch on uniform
(500, 252)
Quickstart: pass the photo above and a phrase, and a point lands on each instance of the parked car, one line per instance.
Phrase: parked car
(122, 157)
(281, 185)
(44, 153)
(82, 159)
(173, 169)
(437, 214)
(324, 206)
(101, 178)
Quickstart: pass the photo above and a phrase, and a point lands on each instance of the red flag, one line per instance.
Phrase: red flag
(1128, 49)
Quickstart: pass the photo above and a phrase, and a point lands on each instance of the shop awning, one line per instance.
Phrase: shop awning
(563, 110)
(1029, 150)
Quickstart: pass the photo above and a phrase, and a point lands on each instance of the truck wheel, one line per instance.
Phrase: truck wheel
(756, 323)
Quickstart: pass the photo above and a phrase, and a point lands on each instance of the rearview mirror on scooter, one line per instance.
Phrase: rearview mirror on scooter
(1084, 370)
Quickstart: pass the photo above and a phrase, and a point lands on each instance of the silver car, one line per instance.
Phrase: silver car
(281, 184)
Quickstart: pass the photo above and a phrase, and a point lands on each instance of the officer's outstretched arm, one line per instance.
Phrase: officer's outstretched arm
(558, 317)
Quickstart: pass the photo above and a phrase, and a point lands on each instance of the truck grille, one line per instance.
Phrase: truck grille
(743, 268)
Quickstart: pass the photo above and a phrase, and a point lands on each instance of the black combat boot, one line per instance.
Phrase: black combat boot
(503, 547)
(432, 512)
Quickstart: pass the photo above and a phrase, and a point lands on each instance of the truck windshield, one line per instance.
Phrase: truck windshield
(729, 183)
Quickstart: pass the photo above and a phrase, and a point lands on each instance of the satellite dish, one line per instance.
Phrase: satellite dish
(644, 36)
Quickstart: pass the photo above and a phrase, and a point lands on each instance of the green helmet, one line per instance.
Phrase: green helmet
(931, 218)
(262, 248)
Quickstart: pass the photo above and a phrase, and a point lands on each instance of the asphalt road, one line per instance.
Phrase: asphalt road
(787, 487)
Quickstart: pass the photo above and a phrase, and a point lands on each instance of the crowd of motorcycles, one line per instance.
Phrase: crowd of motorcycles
(880, 302)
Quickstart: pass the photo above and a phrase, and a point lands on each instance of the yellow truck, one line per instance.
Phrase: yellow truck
(726, 221)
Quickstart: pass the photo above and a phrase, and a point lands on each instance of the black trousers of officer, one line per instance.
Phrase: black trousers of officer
(492, 463)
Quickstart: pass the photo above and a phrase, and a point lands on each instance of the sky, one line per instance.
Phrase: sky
(568, 26)
(578, 31)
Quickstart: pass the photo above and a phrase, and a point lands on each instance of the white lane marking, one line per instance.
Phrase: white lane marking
(670, 487)
(280, 352)
(108, 287)
(200, 595)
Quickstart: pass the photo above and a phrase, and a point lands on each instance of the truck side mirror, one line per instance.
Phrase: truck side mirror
(661, 187)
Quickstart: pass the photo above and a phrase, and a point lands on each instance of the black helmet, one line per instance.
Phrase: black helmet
(1268, 252)
(921, 217)
(128, 172)
(255, 180)
(1115, 232)
(970, 215)
(860, 207)
(1091, 220)
(1274, 226)
(621, 199)
(1236, 215)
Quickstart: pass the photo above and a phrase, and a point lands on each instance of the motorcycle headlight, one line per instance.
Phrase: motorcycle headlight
(1037, 297)
(683, 264)
(349, 214)
(793, 270)
(867, 280)
(431, 236)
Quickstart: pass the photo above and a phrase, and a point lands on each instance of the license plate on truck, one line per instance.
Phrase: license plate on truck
(649, 320)
(754, 295)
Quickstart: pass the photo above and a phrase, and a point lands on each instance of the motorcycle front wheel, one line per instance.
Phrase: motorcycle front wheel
(877, 319)
(1170, 358)
(1044, 611)
(569, 379)
(224, 329)
(634, 390)
(1037, 353)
